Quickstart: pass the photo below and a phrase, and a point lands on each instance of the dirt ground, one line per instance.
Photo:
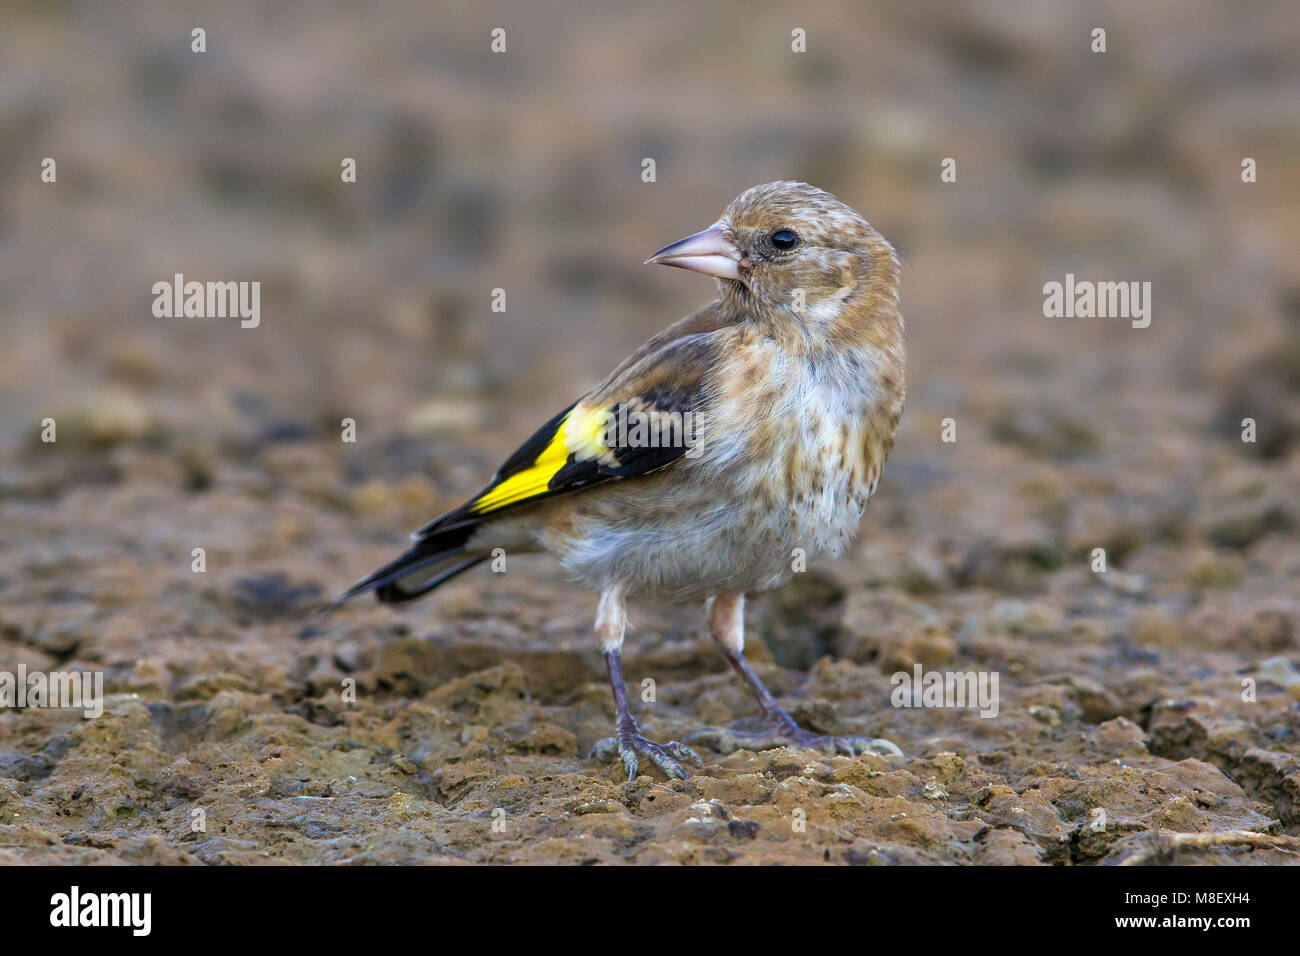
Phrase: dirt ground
(1148, 713)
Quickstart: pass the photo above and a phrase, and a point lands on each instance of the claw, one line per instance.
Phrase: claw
(879, 745)
(628, 745)
(603, 749)
(721, 739)
(682, 752)
(787, 733)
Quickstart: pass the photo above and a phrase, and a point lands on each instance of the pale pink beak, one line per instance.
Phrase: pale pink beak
(710, 252)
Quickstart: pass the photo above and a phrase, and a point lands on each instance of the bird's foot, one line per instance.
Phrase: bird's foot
(782, 731)
(630, 742)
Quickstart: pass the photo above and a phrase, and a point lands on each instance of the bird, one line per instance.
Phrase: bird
(720, 457)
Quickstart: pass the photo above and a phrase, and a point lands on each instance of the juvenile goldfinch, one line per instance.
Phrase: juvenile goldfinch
(748, 435)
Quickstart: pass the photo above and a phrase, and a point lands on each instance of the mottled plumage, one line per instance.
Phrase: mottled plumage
(765, 420)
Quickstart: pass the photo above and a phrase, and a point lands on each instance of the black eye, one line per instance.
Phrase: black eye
(784, 240)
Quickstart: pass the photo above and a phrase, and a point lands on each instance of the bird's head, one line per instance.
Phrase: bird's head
(795, 257)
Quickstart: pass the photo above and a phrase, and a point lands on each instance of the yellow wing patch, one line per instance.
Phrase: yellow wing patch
(581, 436)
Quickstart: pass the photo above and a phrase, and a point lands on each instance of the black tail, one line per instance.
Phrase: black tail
(431, 561)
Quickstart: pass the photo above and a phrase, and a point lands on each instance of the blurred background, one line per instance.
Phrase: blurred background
(522, 171)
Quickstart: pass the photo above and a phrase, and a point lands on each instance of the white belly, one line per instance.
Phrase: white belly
(750, 511)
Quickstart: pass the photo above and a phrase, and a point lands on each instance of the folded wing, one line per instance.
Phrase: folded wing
(644, 418)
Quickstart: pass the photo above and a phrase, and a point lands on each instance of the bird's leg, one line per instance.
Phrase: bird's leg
(611, 623)
(727, 628)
